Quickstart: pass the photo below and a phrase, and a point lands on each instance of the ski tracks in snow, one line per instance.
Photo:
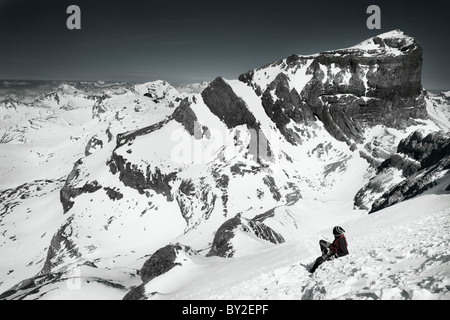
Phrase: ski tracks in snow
(401, 262)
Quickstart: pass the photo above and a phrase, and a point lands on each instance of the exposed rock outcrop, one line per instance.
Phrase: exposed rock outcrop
(162, 261)
(132, 176)
(226, 105)
(375, 82)
(129, 137)
(93, 145)
(420, 162)
(223, 240)
(186, 116)
(32, 285)
(70, 191)
(113, 194)
(150, 177)
(60, 241)
(287, 106)
(428, 150)
(196, 201)
(432, 152)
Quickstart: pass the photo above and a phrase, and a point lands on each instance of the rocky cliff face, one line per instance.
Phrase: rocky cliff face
(420, 163)
(160, 262)
(70, 191)
(186, 116)
(142, 180)
(223, 244)
(283, 104)
(226, 105)
(375, 82)
(432, 154)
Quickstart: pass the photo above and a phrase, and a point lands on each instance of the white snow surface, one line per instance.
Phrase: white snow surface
(399, 253)
(370, 45)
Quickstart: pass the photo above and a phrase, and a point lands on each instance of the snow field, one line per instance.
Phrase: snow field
(399, 253)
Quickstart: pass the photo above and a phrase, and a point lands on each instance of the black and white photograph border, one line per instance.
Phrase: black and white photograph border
(224, 154)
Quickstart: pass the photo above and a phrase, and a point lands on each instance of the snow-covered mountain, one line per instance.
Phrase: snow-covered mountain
(192, 87)
(223, 189)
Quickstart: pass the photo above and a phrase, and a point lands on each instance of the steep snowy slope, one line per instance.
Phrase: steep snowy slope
(145, 185)
(437, 110)
(398, 253)
(42, 143)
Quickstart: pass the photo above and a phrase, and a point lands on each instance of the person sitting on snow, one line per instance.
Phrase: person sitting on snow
(333, 250)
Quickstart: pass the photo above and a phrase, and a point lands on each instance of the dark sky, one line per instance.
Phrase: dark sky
(194, 40)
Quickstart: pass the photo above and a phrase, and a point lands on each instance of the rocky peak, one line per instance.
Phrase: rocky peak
(226, 105)
(428, 150)
(375, 82)
(159, 263)
(186, 116)
(395, 39)
(421, 162)
(283, 104)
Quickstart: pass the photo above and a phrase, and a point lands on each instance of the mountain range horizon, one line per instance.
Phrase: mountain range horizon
(223, 189)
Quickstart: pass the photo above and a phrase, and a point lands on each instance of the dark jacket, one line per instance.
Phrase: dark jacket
(339, 246)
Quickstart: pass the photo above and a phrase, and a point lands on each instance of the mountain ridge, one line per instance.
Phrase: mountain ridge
(214, 169)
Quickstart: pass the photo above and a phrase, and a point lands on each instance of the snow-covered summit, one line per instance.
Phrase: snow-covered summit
(394, 42)
(193, 87)
(157, 90)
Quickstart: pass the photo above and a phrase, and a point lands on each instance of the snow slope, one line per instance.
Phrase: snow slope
(399, 253)
(41, 142)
